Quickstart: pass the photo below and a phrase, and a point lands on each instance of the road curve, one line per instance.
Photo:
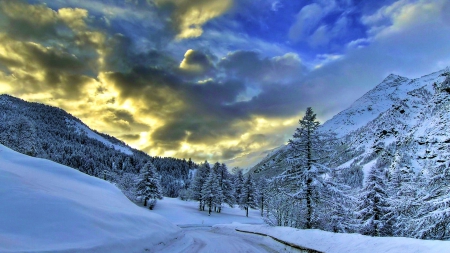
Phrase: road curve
(207, 240)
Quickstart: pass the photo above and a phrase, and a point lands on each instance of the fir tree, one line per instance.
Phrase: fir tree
(148, 188)
(304, 181)
(262, 194)
(226, 185)
(248, 196)
(211, 192)
(197, 184)
(432, 220)
(374, 204)
(238, 184)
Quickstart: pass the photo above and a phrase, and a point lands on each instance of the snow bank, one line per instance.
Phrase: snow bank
(337, 243)
(46, 206)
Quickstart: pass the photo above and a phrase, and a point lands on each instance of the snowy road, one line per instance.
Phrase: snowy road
(206, 239)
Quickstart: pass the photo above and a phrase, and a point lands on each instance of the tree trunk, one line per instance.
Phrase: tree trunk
(210, 204)
(246, 209)
(262, 206)
(145, 201)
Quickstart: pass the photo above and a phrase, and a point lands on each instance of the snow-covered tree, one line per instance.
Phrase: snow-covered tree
(305, 180)
(238, 184)
(374, 206)
(432, 220)
(211, 193)
(148, 188)
(262, 194)
(226, 185)
(248, 196)
(197, 184)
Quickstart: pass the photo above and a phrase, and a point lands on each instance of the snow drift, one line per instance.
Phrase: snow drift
(46, 206)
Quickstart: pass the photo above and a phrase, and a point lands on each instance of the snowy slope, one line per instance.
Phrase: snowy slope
(49, 207)
(82, 129)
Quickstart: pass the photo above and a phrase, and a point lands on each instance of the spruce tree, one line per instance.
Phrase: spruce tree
(432, 219)
(148, 187)
(304, 181)
(211, 192)
(248, 196)
(374, 205)
(197, 184)
(226, 185)
(238, 184)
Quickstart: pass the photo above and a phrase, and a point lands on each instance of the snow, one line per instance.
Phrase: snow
(83, 129)
(393, 89)
(186, 214)
(50, 207)
(338, 243)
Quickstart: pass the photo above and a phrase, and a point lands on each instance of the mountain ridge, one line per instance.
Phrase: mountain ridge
(380, 118)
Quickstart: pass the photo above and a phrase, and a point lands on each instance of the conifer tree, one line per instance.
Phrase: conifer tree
(304, 181)
(432, 220)
(238, 184)
(211, 192)
(248, 196)
(197, 184)
(148, 188)
(262, 194)
(374, 204)
(226, 185)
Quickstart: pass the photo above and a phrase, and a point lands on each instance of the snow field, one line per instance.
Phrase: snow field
(46, 206)
(186, 214)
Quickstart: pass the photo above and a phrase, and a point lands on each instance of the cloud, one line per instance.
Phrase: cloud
(323, 22)
(196, 62)
(306, 22)
(190, 15)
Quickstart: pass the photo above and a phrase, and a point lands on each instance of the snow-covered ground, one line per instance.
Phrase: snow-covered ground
(344, 243)
(45, 206)
(186, 214)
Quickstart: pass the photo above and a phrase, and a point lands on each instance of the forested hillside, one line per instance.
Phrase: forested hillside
(47, 132)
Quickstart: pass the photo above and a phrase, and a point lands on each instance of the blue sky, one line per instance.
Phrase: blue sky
(216, 80)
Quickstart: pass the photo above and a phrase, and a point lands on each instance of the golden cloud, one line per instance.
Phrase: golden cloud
(38, 14)
(190, 15)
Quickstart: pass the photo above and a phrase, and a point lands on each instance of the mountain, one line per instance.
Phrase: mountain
(48, 207)
(403, 120)
(51, 133)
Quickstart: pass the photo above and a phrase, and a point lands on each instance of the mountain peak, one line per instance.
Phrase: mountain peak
(394, 79)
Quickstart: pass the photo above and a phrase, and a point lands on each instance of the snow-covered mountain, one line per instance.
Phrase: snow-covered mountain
(405, 120)
(48, 207)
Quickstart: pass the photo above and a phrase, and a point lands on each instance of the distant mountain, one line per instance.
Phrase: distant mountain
(51, 133)
(403, 120)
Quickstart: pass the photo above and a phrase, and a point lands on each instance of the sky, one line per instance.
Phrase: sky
(216, 80)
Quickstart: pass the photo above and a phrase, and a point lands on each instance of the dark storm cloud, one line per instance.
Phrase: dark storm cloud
(26, 21)
(196, 112)
(124, 119)
(130, 137)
